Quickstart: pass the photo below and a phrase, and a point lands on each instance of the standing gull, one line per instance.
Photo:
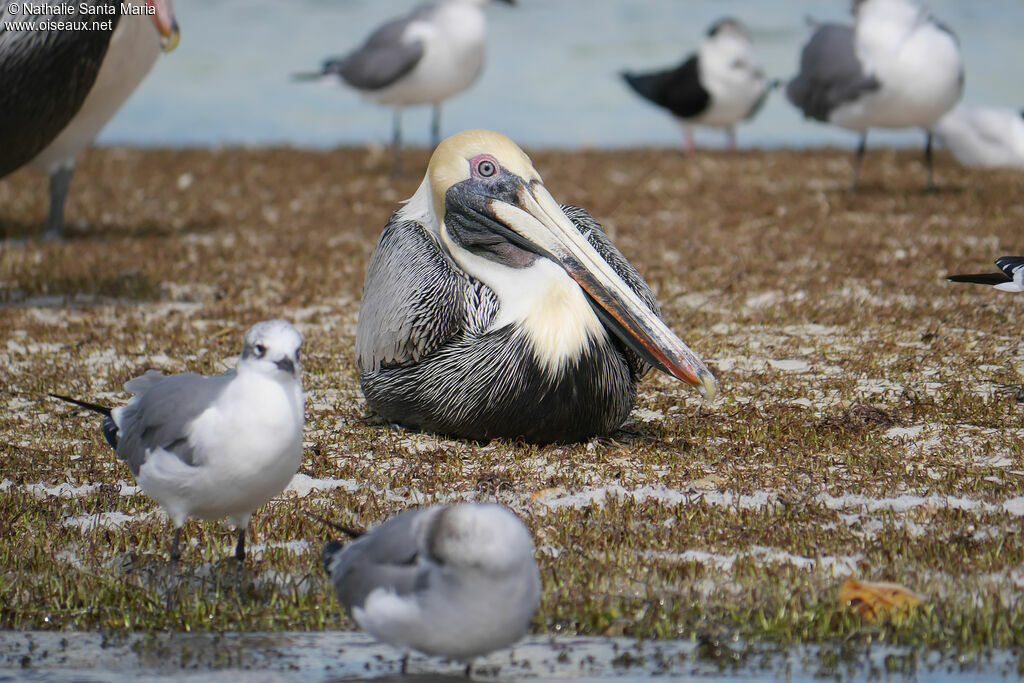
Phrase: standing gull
(220, 446)
(897, 67)
(59, 88)
(719, 85)
(1011, 279)
(431, 54)
(991, 137)
(456, 581)
(489, 311)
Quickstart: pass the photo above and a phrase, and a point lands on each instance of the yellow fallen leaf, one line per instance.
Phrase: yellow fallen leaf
(873, 600)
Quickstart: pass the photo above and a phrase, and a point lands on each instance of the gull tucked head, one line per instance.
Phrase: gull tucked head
(272, 347)
(485, 202)
(480, 537)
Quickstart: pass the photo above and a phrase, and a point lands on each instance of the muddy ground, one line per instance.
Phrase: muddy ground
(869, 423)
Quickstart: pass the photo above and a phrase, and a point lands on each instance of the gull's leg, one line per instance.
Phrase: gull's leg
(405, 664)
(240, 544)
(689, 145)
(60, 183)
(859, 158)
(930, 186)
(175, 545)
(435, 126)
(731, 133)
(396, 140)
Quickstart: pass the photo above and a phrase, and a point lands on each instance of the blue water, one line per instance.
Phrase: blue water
(551, 77)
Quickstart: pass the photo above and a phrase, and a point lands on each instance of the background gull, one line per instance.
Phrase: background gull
(984, 136)
(457, 581)
(425, 57)
(59, 88)
(220, 446)
(719, 85)
(897, 67)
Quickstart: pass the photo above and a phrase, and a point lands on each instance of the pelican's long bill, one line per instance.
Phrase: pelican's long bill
(539, 220)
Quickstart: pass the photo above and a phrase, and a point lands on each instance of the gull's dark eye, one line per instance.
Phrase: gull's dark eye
(261, 350)
(486, 168)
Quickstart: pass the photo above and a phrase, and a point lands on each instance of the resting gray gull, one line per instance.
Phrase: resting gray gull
(719, 85)
(457, 581)
(990, 137)
(425, 57)
(897, 67)
(59, 87)
(215, 446)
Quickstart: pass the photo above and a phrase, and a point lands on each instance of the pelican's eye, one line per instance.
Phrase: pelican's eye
(486, 167)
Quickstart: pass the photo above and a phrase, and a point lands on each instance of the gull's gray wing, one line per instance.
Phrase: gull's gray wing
(830, 73)
(44, 78)
(591, 229)
(160, 415)
(415, 299)
(385, 57)
(384, 558)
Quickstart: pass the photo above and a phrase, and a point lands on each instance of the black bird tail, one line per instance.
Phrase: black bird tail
(646, 85)
(110, 429)
(980, 278)
(102, 410)
(348, 531)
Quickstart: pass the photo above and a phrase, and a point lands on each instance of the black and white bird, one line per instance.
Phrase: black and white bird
(215, 446)
(1011, 279)
(59, 87)
(989, 137)
(718, 86)
(897, 67)
(456, 581)
(425, 57)
(489, 311)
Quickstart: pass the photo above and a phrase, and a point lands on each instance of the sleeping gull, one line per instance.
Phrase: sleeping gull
(719, 85)
(991, 137)
(456, 581)
(897, 67)
(1011, 279)
(215, 446)
(425, 57)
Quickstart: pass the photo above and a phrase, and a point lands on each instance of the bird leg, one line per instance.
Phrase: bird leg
(930, 185)
(731, 133)
(240, 545)
(858, 159)
(396, 140)
(689, 146)
(469, 669)
(405, 664)
(175, 544)
(60, 183)
(435, 126)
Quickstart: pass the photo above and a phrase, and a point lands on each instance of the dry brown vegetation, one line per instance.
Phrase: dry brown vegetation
(869, 423)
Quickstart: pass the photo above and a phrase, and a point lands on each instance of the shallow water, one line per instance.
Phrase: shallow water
(551, 77)
(344, 656)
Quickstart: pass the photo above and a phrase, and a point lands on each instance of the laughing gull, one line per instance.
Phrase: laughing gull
(431, 54)
(61, 86)
(719, 85)
(456, 581)
(897, 67)
(984, 136)
(1011, 279)
(218, 446)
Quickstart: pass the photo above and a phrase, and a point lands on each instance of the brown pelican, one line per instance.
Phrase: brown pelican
(59, 87)
(491, 311)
